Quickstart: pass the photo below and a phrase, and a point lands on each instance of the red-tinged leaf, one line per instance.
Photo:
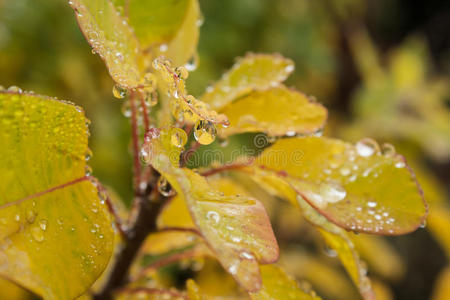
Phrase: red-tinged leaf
(357, 187)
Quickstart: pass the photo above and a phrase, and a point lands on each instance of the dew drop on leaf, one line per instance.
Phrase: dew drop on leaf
(192, 63)
(119, 91)
(37, 233)
(30, 216)
(43, 224)
(205, 132)
(366, 147)
(164, 187)
(213, 216)
(182, 72)
(178, 137)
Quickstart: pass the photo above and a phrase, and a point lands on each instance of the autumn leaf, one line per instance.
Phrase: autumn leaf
(357, 187)
(51, 215)
(238, 245)
(279, 285)
(111, 37)
(277, 111)
(252, 72)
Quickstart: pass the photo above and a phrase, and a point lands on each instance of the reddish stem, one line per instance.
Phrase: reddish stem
(144, 112)
(135, 141)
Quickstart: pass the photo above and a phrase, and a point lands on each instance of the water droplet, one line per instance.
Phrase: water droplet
(387, 149)
(289, 68)
(423, 224)
(119, 91)
(30, 216)
(126, 109)
(178, 137)
(205, 132)
(182, 72)
(371, 204)
(246, 255)
(214, 216)
(37, 233)
(344, 171)
(332, 192)
(366, 147)
(164, 187)
(192, 63)
(163, 47)
(14, 89)
(43, 224)
(400, 164)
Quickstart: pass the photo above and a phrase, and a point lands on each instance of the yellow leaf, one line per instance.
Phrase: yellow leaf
(252, 72)
(51, 215)
(357, 187)
(442, 286)
(279, 285)
(169, 28)
(183, 107)
(111, 37)
(236, 228)
(439, 224)
(9, 290)
(277, 111)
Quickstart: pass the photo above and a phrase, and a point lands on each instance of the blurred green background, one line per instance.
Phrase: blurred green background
(382, 68)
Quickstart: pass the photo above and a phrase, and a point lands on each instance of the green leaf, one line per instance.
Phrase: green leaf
(236, 228)
(254, 71)
(357, 187)
(111, 37)
(166, 27)
(51, 216)
(277, 111)
(279, 285)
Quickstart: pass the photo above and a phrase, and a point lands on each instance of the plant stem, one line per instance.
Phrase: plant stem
(148, 203)
(144, 225)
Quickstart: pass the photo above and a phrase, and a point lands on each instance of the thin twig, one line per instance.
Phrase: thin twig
(135, 141)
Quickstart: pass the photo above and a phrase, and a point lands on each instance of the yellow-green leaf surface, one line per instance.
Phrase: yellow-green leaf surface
(166, 27)
(236, 228)
(335, 237)
(183, 107)
(279, 285)
(338, 240)
(254, 71)
(278, 111)
(111, 37)
(441, 289)
(51, 217)
(357, 187)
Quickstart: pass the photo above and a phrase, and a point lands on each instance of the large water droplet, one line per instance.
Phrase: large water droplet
(30, 216)
(366, 147)
(205, 132)
(332, 192)
(178, 137)
(164, 187)
(119, 91)
(182, 72)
